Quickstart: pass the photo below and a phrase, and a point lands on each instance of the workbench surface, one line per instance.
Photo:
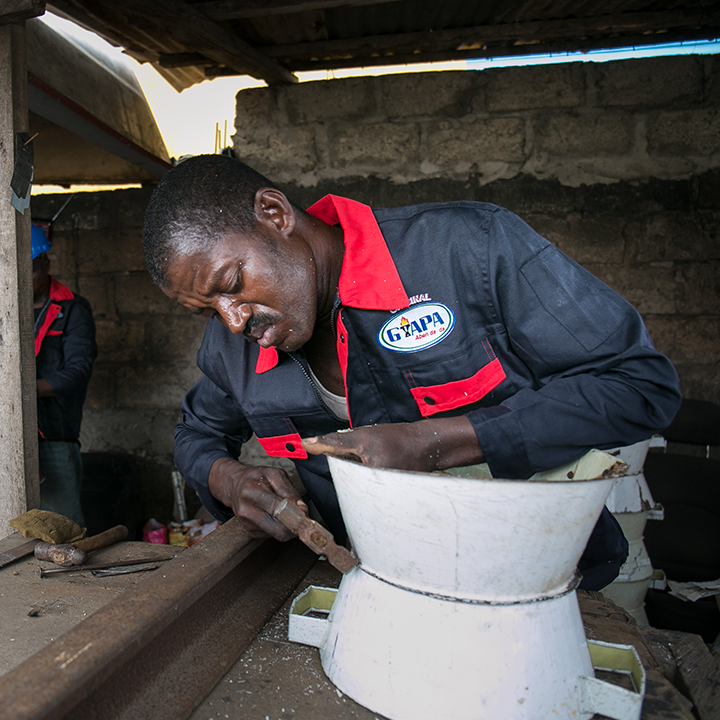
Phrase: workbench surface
(34, 611)
(275, 679)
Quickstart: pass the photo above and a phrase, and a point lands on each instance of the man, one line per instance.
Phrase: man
(444, 335)
(64, 353)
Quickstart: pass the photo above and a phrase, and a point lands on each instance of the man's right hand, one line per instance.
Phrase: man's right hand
(253, 493)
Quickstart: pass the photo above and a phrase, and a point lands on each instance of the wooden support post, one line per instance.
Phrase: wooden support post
(19, 476)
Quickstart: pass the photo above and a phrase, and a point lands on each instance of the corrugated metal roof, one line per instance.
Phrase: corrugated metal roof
(92, 119)
(191, 40)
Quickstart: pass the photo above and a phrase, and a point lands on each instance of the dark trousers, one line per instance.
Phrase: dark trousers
(61, 467)
(604, 555)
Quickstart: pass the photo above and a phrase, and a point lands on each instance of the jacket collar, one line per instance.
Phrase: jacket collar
(59, 292)
(369, 279)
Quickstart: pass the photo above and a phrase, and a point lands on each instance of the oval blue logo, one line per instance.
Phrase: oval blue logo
(417, 328)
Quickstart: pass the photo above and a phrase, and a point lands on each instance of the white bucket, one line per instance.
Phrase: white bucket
(466, 538)
(632, 504)
(630, 587)
(463, 602)
(410, 656)
(632, 455)
(631, 494)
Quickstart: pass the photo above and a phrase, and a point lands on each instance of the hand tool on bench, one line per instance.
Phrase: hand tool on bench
(67, 554)
(44, 572)
(314, 535)
(40, 525)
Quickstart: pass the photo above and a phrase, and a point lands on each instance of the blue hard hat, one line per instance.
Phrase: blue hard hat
(40, 242)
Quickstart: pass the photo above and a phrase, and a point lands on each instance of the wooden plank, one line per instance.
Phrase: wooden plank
(167, 29)
(198, 33)
(663, 701)
(108, 22)
(137, 656)
(659, 644)
(12, 11)
(604, 620)
(693, 669)
(175, 60)
(698, 674)
(492, 51)
(459, 39)
(19, 476)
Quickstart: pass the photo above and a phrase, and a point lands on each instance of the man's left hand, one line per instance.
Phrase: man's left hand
(426, 445)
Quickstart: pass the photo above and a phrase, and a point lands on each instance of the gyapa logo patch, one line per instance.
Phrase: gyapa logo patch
(417, 327)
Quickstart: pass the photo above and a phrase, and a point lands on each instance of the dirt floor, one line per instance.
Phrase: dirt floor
(276, 679)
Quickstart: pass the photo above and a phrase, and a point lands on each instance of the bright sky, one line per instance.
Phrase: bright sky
(690, 47)
(189, 121)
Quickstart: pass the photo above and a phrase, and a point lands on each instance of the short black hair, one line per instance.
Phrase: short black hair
(195, 203)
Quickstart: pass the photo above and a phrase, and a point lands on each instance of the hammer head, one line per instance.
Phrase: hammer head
(65, 554)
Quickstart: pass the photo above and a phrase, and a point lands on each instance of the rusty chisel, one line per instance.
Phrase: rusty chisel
(314, 535)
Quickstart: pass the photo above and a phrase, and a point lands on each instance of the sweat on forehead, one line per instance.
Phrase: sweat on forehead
(198, 201)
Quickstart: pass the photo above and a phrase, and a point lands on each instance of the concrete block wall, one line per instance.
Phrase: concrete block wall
(581, 123)
(617, 163)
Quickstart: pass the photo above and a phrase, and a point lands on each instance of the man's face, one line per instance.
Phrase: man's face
(40, 270)
(254, 284)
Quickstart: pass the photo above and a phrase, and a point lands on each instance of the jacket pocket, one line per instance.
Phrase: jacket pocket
(289, 446)
(285, 444)
(433, 399)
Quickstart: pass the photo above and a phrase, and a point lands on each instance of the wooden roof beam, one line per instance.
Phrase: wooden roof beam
(457, 40)
(242, 9)
(176, 60)
(198, 33)
(12, 11)
(496, 50)
(113, 26)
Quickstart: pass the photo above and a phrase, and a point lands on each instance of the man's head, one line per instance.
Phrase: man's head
(194, 205)
(41, 263)
(220, 239)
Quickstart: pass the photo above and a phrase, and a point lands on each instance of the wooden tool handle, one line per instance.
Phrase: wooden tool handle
(314, 535)
(103, 539)
(290, 515)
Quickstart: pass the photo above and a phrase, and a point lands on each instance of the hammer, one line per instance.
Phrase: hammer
(314, 535)
(75, 553)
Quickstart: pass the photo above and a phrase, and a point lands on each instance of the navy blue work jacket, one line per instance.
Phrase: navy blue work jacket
(64, 353)
(442, 309)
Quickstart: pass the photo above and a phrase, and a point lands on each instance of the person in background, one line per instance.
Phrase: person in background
(64, 353)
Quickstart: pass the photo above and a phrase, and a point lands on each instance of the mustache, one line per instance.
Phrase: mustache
(256, 321)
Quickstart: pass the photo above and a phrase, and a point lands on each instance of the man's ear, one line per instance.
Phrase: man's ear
(273, 209)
